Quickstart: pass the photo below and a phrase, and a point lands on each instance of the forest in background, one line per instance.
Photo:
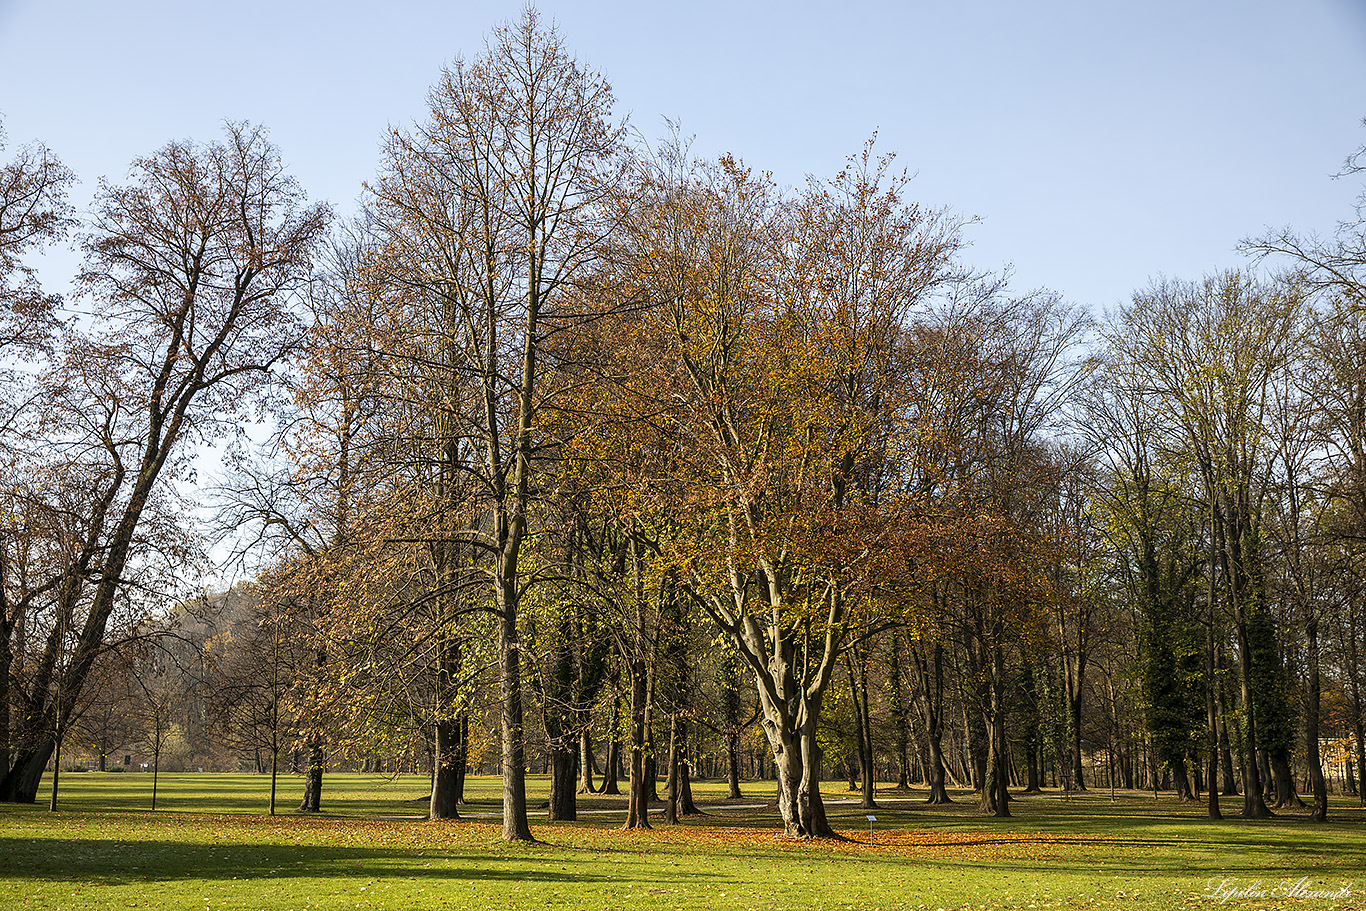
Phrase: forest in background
(588, 455)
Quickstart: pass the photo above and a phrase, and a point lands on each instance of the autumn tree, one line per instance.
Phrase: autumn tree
(33, 213)
(774, 325)
(1214, 352)
(494, 198)
(193, 267)
(1148, 507)
(1332, 270)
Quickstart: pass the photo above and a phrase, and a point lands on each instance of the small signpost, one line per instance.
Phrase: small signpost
(871, 819)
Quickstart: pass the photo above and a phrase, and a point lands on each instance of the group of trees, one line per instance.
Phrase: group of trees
(674, 450)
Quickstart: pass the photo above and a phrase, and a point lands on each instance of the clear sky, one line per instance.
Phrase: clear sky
(1101, 143)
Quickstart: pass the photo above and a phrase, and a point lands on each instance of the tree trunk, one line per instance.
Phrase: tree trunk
(652, 774)
(57, 777)
(6, 661)
(1033, 727)
(1317, 786)
(1212, 734)
(896, 708)
(515, 824)
(995, 782)
(733, 765)
(448, 762)
(862, 737)
(1074, 695)
(730, 703)
(1181, 781)
(638, 802)
(564, 773)
(26, 772)
(1227, 769)
(929, 703)
(1358, 709)
(1283, 778)
(796, 760)
(866, 757)
(612, 772)
(938, 792)
(686, 807)
(671, 779)
(313, 778)
(586, 763)
(612, 767)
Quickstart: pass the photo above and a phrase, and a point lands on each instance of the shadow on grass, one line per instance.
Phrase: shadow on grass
(127, 862)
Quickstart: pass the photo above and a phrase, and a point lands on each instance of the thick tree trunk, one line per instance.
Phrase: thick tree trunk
(652, 774)
(867, 766)
(930, 704)
(448, 762)
(1359, 731)
(6, 660)
(897, 709)
(938, 792)
(612, 766)
(796, 760)
(25, 774)
(862, 739)
(1358, 708)
(1283, 778)
(1254, 804)
(1181, 781)
(612, 771)
(686, 806)
(1074, 744)
(1228, 771)
(313, 777)
(995, 782)
(564, 773)
(1033, 727)
(1212, 715)
(1317, 786)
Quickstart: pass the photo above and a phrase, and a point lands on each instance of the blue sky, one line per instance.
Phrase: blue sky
(1100, 143)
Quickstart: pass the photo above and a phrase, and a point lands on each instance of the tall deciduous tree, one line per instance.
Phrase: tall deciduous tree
(775, 325)
(495, 196)
(1214, 352)
(1147, 507)
(192, 267)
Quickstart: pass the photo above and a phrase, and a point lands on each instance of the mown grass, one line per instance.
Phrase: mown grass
(209, 845)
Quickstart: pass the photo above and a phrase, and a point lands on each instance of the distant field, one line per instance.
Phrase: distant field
(210, 845)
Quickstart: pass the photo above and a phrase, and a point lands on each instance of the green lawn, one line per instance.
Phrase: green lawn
(210, 845)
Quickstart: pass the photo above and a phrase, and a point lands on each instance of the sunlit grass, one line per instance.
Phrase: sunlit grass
(210, 845)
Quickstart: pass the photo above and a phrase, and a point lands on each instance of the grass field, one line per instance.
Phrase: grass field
(210, 845)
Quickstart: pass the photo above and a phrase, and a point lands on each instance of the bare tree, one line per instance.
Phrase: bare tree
(33, 213)
(1335, 265)
(192, 266)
